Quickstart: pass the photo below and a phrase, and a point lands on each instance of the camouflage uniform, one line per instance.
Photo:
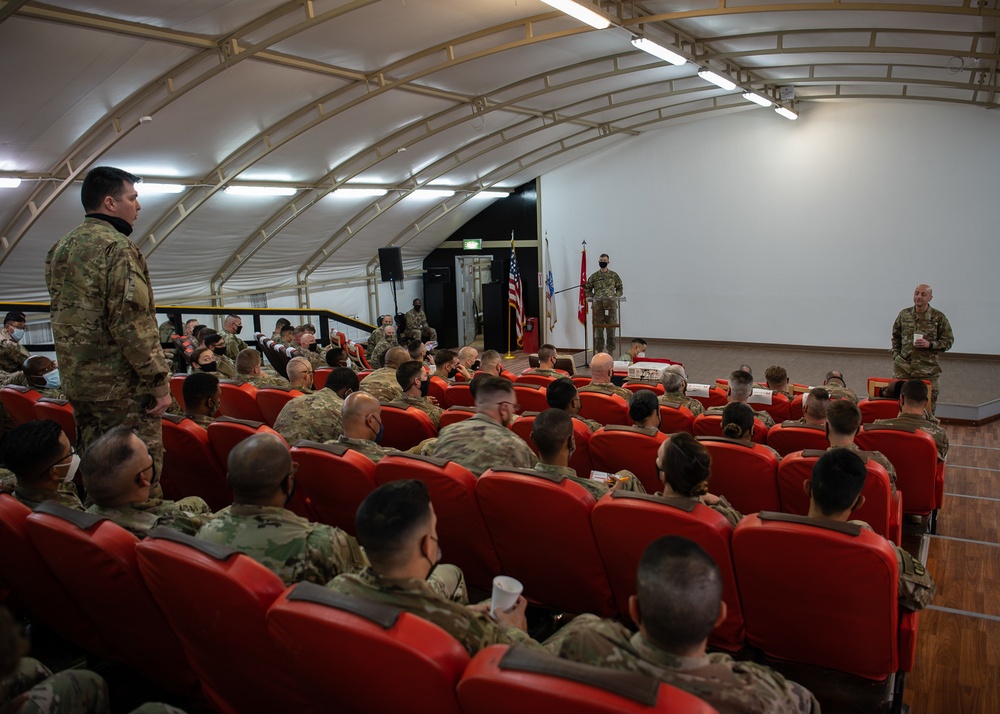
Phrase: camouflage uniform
(544, 372)
(166, 330)
(293, 548)
(186, 515)
(373, 339)
(604, 285)
(595, 488)
(376, 355)
(21, 380)
(876, 456)
(33, 689)
(225, 367)
(474, 630)
(107, 343)
(263, 380)
(591, 424)
(763, 416)
(607, 388)
(841, 393)
(424, 405)
(313, 417)
(916, 588)
(65, 493)
(12, 353)
(480, 443)
(924, 423)
(234, 345)
(909, 362)
(723, 506)
(728, 685)
(416, 321)
(682, 400)
(382, 385)
(201, 420)
(365, 446)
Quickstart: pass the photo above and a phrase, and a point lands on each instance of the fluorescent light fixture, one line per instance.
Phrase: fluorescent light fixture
(787, 113)
(641, 43)
(756, 99)
(433, 193)
(490, 194)
(581, 13)
(359, 192)
(717, 79)
(260, 191)
(148, 189)
(9, 182)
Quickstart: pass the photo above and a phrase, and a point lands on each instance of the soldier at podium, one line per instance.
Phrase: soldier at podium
(604, 284)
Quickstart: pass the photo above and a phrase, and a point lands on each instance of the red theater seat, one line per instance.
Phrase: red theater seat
(530, 397)
(639, 386)
(675, 418)
(458, 395)
(617, 447)
(795, 408)
(270, 401)
(177, 388)
(530, 378)
(581, 381)
(746, 475)
(604, 408)
(190, 466)
(455, 414)
(437, 389)
(874, 408)
(59, 411)
(320, 376)
(19, 402)
(358, 354)
(717, 397)
(334, 480)
(226, 432)
(711, 425)
(779, 408)
(580, 461)
(791, 436)
(239, 401)
(405, 426)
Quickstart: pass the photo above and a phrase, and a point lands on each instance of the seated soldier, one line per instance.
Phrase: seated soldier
(674, 381)
(468, 362)
(281, 323)
(202, 398)
(305, 343)
(414, 380)
(285, 335)
(248, 370)
(552, 434)
(204, 359)
(814, 404)
(491, 364)
(317, 416)
(377, 335)
(39, 373)
(262, 476)
(644, 411)
(117, 471)
(43, 463)
(562, 394)
(776, 377)
(738, 423)
(397, 528)
(740, 388)
(683, 466)
(418, 352)
(445, 365)
(388, 341)
(835, 492)
(338, 357)
(836, 385)
(485, 440)
(223, 365)
(382, 383)
(914, 401)
(547, 356)
(601, 369)
(300, 374)
(843, 422)
(677, 604)
(12, 352)
(363, 428)
(636, 351)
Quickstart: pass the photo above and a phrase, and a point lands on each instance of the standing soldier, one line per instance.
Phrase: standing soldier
(605, 284)
(919, 335)
(104, 320)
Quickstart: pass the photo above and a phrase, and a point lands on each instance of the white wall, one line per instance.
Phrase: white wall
(752, 228)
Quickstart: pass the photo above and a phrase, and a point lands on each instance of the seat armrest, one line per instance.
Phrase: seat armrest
(908, 622)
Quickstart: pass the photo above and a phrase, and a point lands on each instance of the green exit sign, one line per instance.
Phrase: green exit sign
(472, 244)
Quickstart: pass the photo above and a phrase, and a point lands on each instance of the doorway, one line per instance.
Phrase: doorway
(471, 272)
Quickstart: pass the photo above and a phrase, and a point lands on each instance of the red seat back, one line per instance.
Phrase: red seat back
(59, 411)
(530, 378)
(530, 397)
(343, 647)
(458, 395)
(876, 408)
(789, 436)
(78, 546)
(581, 381)
(518, 506)
(437, 389)
(216, 600)
(711, 425)
(334, 480)
(604, 408)
(190, 466)
(914, 454)
(626, 523)
(359, 355)
(465, 540)
(270, 401)
(177, 388)
(405, 426)
(19, 402)
(501, 679)
(638, 386)
(226, 432)
(675, 418)
(239, 401)
(580, 461)
(820, 597)
(320, 375)
(617, 447)
(717, 397)
(795, 408)
(453, 415)
(746, 475)
(779, 408)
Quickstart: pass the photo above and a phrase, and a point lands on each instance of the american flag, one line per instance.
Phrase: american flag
(514, 293)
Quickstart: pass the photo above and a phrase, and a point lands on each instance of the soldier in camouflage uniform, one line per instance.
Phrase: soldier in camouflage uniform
(248, 369)
(562, 394)
(120, 488)
(382, 383)
(416, 323)
(814, 404)
(104, 319)
(605, 284)
(43, 465)
(674, 381)
(317, 416)
(262, 476)
(683, 466)
(914, 357)
(12, 352)
(547, 356)
(230, 329)
(202, 398)
(300, 374)
(413, 380)
(677, 603)
(740, 388)
(843, 422)
(836, 385)
(636, 351)
(601, 369)
(388, 341)
(376, 336)
(363, 428)
(913, 412)
(224, 366)
(484, 440)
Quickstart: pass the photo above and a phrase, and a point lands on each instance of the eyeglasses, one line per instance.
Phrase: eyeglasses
(138, 476)
(57, 462)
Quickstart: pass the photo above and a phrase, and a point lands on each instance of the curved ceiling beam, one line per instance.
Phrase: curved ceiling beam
(822, 6)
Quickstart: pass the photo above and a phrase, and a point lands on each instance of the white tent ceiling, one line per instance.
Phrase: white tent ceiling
(398, 94)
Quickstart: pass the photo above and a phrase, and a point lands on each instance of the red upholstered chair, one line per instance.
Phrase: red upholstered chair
(501, 679)
(226, 432)
(340, 339)
(358, 354)
(617, 447)
(604, 408)
(458, 395)
(711, 425)
(675, 418)
(96, 562)
(19, 402)
(746, 475)
(637, 386)
(320, 375)
(531, 378)
(717, 396)
(405, 426)
(822, 594)
(882, 510)
(790, 436)
(334, 480)
(509, 376)
(779, 407)
(177, 388)
(270, 401)
(455, 414)
(25, 570)
(364, 373)
(216, 599)
(530, 397)
(239, 401)
(581, 381)
(190, 466)
(795, 408)
(874, 408)
(626, 523)
(59, 411)
(465, 540)
(437, 388)
(580, 461)
(919, 474)
(342, 648)
(540, 526)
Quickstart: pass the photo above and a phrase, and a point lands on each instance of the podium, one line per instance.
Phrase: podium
(604, 314)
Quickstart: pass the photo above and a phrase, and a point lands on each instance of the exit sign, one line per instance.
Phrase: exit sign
(472, 244)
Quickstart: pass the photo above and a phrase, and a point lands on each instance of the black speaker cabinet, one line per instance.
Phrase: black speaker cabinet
(390, 263)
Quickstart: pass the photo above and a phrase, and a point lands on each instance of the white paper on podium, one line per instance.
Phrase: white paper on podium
(760, 396)
(621, 366)
(696, 390)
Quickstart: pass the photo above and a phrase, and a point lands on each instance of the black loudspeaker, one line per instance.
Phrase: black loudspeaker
(390, 262)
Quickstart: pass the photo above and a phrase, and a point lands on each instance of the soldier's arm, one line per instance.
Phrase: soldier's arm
(897, 337)
(946, 338)
(619, 288)
(588, 287)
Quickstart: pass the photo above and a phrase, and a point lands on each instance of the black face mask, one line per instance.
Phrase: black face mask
(452, 373)
(313, 347)
(476, 365)
(210, 367)
(238, 330)
(603, 263)
(219, 351)
(425, 386)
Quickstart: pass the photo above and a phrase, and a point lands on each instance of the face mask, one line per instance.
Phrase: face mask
(291, 492)
(210, 367)
(418, 308)
(452, 373)
(74, 464)
(313, 347)
(18, 334)
(220, 351)
(425, 386)
(641, 354)
(52, 380)
(381, 432)
(238, 330)
(475, 366)
(603, 263)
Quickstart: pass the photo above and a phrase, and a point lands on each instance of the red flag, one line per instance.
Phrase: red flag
(581, 313)
(514, 293)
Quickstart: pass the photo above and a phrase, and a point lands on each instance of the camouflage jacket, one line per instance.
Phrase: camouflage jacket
(680, 399)
(595, 488)
(916, 588)
(375, 356)
(373, 339)
(730, 686)
(608, 388)
(262, 380)
(234, 345)
(32, 687)
(922, 422)
(166, 331)
(416, 320)
(291, 547)
(421, 403)
(480, 443)
(723, 506)
(31, 496)
(601, 284)
(382, 384)
(201, 420)
(12, 353)
(935, 328)
(314, 417)
(226, 367)
(766, 418)
(544, 372)
(186, 515)
(104, 317)
(591, 424)
(366, 446)
(838, 392)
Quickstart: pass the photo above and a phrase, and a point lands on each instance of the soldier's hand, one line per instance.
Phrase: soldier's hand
(921, 343)
(432, 400)
(161, 406)
(515, 616)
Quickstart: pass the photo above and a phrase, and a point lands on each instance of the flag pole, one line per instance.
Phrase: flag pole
(509, 355)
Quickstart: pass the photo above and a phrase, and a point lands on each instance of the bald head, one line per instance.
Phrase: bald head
(468, 355)
(601, 367)
(258, 466)
(362, 416)
(396, 356)
(299, 372)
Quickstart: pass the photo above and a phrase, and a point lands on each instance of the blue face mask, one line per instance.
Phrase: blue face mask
(52, 380)
(18, 334)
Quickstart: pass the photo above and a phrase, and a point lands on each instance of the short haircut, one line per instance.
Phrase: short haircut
(837, 480)
(257, 466)
(333, 356)
(199, 386)
(816, 404)
(414, 348)
(232, 316)
(300, 330)
(914, 391)
(103, 464)
(286, 330)
(741, 385)
(551, 429)
(604, 255)
(282, 321)
(104, 181)
(673, 378)
(297, 366)
(406, 372)
(309, 327)
(491, 389)
(395, 356)
(247, 359)
(13, 316)
(342, 378)
(31, 448)
(643, 405)
(639, 341)
(560, 393)
(546, 353)
(198, 329)
(443, 357)
(489, 357)
(775, 374)
(680, 591)
(686, 465)
(834, 374)
(843, 417)
(214, 339)
(390, 518)
(737, 419)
